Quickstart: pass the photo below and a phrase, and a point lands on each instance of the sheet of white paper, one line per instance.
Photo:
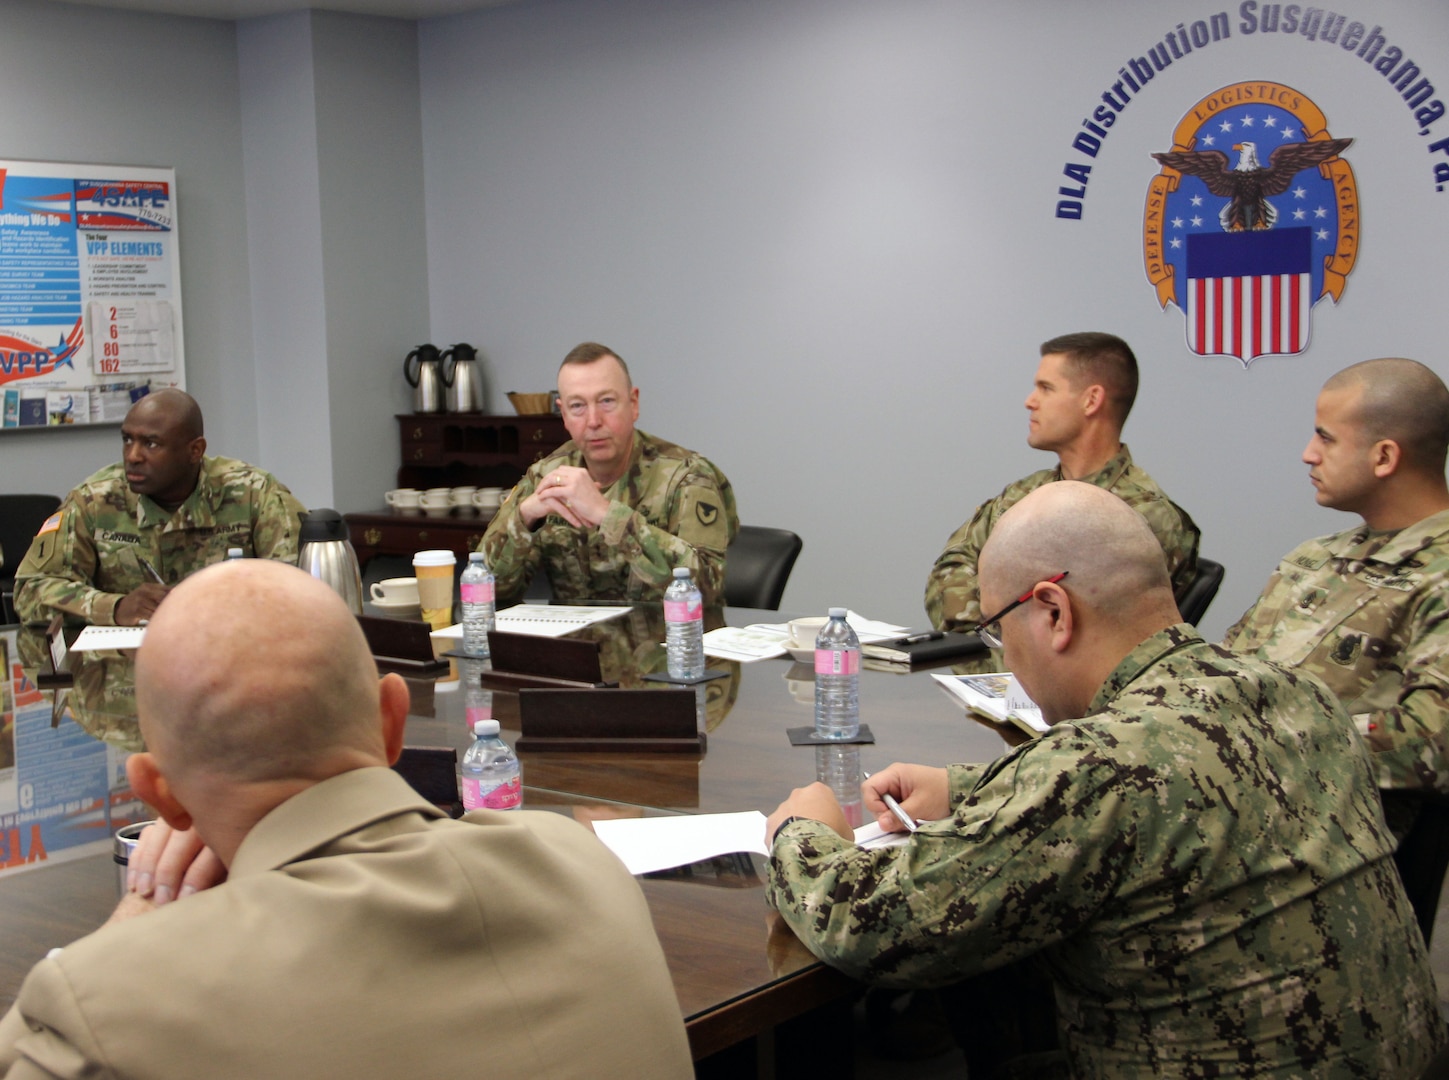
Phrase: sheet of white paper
(108, 637)
(871, 835)
(745, 643)
(541, 620)
(661, 843)
(551, 620)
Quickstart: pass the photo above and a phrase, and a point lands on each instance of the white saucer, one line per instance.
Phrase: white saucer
(393, 610)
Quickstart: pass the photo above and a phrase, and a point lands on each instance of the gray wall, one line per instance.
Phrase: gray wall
(174, 103)
(822, 233)
(338, 263)
(298, 150)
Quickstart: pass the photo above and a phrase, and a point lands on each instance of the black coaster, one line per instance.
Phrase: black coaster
(805, 736)
(664, 676)
(459, 654)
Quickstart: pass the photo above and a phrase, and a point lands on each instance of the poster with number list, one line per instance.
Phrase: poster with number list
(90, 289)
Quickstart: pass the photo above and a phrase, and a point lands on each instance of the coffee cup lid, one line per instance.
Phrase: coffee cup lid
(434, 557)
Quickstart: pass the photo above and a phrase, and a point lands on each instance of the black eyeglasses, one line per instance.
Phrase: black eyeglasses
(990, 629)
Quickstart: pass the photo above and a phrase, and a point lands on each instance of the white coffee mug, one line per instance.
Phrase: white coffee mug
(399, 497)
(803, 632)
(396, 590)
(488, 498)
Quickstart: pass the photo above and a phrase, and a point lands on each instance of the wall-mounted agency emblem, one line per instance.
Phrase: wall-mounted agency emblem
(1252, 221)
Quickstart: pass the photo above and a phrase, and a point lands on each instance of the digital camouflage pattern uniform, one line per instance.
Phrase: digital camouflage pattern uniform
(87, 556)
(1368, 613)
(1201, 863)
(953, 597)
(672, 507)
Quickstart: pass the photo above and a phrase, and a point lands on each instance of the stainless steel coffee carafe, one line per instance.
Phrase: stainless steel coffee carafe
(326, 553)
(463, 378)
(423, 371)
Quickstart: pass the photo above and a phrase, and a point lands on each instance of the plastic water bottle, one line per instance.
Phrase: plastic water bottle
(491, 777)
(476, 585)
(837, 679)
(684, 626)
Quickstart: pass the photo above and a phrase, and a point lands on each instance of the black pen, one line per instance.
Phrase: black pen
(151, 570)
(916, 639)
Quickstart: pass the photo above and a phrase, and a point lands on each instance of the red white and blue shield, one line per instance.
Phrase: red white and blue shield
(1252, 221)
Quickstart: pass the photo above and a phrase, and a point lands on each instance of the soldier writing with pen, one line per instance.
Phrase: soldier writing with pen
(1193, 858)
(125, 535)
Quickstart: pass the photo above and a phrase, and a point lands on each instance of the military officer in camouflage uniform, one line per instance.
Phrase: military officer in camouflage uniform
(613, 511)
(1367, 610)
(1083, 391)
(1200, 862)
(165, 507)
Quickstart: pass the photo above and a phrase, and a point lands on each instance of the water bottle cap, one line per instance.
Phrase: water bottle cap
(475, 556)
(235, 553)
(485, 728)
(837, 612)
(681, 572)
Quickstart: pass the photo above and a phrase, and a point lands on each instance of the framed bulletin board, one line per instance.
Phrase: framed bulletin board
(90, 291)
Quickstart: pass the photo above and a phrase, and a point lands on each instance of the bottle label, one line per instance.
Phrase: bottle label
(837, 661)
(683, 610)
(506, 796)
(477, 592)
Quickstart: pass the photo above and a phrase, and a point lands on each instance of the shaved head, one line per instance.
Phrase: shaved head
(176, 409)
(1066, 637)
(254, 671)
(1404, 401)
(1115, 561)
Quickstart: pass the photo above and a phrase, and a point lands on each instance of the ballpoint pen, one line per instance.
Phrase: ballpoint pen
(916, 639)
(894, 807)
(146, 564)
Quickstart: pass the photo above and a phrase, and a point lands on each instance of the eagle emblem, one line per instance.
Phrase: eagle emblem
(1246, 250)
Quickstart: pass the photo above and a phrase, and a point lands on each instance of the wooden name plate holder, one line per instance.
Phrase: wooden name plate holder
(400, 643)
(564, 704)
(527, 660)
(609, 719)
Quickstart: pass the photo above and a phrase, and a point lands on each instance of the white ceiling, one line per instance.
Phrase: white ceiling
(245, 9)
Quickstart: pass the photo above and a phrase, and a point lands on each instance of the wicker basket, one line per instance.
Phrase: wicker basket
(530, 404)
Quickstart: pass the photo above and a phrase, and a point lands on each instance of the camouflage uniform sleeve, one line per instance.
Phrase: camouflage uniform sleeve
(277, 522)
(57, 572)
(507, 543)
(1175, 531)
(953, 595)
(1410, 738)
(1028, 856)
(700, 521)
(1238, 634)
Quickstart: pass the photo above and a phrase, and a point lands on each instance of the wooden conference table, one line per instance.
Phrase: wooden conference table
(737, 970)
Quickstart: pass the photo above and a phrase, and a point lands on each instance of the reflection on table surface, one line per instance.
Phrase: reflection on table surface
(727, 952)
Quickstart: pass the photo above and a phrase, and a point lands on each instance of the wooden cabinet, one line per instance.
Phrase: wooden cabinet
(449, 450)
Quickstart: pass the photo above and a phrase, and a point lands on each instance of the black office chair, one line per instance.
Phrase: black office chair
(1199, 593)
(1423, 855)
(21, 517)
(758, 565)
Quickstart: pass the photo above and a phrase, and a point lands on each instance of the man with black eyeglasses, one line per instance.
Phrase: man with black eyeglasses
(1194, 854)
(613, 511)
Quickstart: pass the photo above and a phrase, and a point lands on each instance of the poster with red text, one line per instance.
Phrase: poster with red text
(90, 291)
